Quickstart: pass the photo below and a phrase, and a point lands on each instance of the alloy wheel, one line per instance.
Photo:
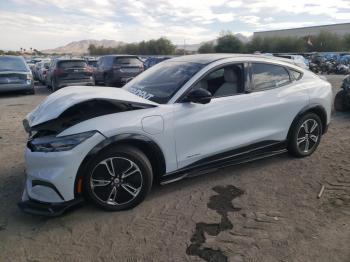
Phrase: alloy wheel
(308, 135)
(116, 181)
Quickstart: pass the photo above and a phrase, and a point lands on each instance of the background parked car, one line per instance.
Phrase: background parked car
(298, 60)
(67, 72)
(116, 70)
(42, 72)
(151, 61)
(15, 74)
(342, 98)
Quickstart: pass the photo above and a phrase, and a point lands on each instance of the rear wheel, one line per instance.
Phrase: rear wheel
(31, 92)
(305, 135)
(119, 178)
(53, 85)
(341, 101)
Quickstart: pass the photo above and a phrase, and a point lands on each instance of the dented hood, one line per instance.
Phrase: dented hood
(58, 102)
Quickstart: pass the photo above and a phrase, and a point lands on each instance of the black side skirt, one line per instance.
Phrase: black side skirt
(233, 157)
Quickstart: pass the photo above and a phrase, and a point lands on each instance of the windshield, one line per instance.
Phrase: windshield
(161, 82)
(12, 64)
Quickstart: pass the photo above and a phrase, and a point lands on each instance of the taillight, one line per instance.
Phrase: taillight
(88, 69)
(116, 67)
(58, 72)
(44, 72)
(142, 67)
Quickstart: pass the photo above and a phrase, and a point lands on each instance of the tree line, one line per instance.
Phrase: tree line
(161, 46)
(323, 42)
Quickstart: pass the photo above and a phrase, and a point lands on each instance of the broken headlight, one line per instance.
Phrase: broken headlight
(57, 144)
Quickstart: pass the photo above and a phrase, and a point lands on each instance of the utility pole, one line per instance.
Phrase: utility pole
(184, 46)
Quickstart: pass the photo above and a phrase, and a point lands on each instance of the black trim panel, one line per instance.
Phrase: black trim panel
(47, 184)
(229, 158)
(35, 207)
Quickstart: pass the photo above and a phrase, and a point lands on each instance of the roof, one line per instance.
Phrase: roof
(209, 58)
(305, 27)
(204, 58)
(119, 56)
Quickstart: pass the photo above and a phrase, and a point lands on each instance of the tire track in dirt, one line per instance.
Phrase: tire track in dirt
(222, 204)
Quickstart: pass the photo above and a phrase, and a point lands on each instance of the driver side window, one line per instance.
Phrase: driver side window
(224, 81)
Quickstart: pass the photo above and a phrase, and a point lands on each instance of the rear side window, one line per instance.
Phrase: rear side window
(267, 76)
(127, 61)
(71, 64)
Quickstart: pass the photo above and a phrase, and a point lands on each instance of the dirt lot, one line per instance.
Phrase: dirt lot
(261, 211)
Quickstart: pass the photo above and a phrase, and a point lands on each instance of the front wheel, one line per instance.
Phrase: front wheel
(305, 135)
(119, 178)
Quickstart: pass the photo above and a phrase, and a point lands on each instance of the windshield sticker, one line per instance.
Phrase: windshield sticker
(141, 93)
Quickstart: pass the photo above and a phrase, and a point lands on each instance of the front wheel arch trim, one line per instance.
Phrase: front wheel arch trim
(150, 148)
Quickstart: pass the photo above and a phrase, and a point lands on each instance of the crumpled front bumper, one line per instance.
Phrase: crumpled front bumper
(35, 207)
(50, 179)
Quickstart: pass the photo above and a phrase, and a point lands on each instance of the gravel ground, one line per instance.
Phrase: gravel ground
(261, 211)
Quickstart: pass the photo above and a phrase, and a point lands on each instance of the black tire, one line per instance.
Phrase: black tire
(141, 180)
(296, 146)
(341, 101)
(31, 92)
(53, 85)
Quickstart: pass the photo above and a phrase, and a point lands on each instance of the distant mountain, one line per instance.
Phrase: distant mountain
(81, 47)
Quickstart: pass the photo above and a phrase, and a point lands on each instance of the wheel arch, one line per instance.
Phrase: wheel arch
(313, 108)
(150, 148)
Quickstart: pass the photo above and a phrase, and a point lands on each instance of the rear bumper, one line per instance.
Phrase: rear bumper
(16, 87)
(80, 82)
(48, 209)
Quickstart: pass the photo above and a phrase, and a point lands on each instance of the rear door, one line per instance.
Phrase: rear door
(98, 73)
(279, 95)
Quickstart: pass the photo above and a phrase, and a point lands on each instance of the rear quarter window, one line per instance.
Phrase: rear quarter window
(295, 74)
(267, 76)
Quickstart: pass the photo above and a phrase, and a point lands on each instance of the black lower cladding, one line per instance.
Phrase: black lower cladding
(228, 158)
(47, 184)
(34, 207)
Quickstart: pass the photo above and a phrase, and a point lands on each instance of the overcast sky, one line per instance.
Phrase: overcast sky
(45, 24)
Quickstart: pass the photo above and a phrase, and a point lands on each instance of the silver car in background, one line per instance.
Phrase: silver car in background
(15, 75)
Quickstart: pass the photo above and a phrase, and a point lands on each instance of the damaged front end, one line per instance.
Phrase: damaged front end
(53, 158)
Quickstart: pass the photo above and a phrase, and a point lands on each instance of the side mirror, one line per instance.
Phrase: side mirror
(199, 96)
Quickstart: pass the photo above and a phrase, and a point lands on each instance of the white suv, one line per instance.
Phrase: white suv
(182, 117)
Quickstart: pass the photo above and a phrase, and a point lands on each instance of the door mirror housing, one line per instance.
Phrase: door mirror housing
(198, 96)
